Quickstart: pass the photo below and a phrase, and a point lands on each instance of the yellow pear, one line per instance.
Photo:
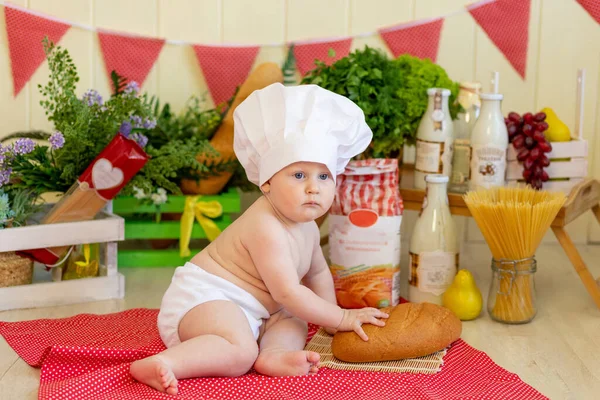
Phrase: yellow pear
(463, 297)
(557, 130)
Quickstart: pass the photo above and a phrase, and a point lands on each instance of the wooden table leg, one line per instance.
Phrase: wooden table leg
(596, 210)
(584, 273)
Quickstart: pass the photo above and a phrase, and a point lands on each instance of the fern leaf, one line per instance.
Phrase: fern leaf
(289, 68)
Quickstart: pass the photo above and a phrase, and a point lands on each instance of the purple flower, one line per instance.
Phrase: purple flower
(149, 123)
(92, 97)
(5, 176)
(132, 88)
(23, 146)
(57, 140)
(125, 128)
(139, 138)
(137, 121)
(6, 155)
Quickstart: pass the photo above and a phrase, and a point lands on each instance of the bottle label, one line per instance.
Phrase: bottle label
(433, 271)
(461, 159)
(429, 157)
(488, 165)
(438, 114)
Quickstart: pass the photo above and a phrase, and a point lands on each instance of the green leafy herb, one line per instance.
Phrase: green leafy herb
(391, 93)
(17, 206)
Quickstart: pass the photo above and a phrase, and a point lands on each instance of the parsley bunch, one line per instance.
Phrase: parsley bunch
(391, 92)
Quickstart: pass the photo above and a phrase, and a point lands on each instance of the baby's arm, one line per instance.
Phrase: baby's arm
(269, 249)
(318, 278)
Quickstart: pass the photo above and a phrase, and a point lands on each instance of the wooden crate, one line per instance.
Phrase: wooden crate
(568, 166)
(48, 290)
(147, 228)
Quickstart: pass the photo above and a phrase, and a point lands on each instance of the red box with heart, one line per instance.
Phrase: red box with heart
(102, 180)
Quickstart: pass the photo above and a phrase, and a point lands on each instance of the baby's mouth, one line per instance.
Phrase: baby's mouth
(311, 203)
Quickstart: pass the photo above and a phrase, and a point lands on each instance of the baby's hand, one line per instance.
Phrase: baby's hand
(353, 320)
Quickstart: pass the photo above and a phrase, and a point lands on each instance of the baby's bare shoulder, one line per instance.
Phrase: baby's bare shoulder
(261, 224)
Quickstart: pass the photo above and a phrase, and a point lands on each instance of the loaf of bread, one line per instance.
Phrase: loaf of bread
(412, 330)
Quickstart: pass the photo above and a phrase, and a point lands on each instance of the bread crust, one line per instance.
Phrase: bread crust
(412, 330)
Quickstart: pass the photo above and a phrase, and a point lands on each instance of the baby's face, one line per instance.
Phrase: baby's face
(302, 191)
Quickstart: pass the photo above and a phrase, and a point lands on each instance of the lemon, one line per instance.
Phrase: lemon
(463, 297)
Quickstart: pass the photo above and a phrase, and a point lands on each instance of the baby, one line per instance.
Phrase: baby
(244, 301)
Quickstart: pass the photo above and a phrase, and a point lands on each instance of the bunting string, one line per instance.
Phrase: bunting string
(226, 65)
(272, 44)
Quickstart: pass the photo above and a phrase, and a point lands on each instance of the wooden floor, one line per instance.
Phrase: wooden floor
(558, 353)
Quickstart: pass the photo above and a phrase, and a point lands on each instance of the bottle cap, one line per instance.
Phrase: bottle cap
(491, 96)
(432, 91)
(436, 178)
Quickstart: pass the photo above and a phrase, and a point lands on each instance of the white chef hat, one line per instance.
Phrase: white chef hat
(280, 125)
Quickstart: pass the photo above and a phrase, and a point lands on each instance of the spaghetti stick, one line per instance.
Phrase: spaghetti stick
(513, 222)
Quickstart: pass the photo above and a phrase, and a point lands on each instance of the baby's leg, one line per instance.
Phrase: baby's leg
(216, 340)
(281, 351)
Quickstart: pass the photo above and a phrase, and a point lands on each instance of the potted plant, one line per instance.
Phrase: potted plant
(85, 125)
(16, 207)
(391, 92)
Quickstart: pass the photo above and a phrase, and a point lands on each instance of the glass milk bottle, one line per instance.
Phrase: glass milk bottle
(434, 138)
(468, 98)
(489, 142)
(434, 247)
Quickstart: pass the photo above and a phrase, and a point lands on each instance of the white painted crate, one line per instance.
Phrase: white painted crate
(568, 162)
(572, 168)
(574, 149)
(106, 229)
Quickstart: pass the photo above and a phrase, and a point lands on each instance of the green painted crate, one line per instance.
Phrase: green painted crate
(150, 229)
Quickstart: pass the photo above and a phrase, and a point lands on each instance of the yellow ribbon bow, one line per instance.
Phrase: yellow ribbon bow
(203, 211)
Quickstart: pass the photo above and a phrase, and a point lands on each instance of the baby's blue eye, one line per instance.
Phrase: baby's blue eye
(324, 177)
(299, 175)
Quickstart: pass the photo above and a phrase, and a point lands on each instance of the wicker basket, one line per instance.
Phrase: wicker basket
(15, 270)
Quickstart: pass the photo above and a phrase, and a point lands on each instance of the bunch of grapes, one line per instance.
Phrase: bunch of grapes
(526, 133)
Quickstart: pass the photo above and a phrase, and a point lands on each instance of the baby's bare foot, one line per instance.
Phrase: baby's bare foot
(155, 373)
(287, 363)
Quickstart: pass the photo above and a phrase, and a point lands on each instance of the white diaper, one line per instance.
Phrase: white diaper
(191, 286)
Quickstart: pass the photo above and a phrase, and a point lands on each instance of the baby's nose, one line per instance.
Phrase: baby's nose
(312, 188)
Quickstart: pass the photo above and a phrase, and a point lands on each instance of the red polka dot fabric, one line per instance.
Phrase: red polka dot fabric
(25, 33)
(592, 7)
(225, 68)
(88, 356)
(422, 40)
(506, 22)
(130, 56)
(307, 53)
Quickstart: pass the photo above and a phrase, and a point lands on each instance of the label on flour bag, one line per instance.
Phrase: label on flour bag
(364, 235)
(433, 271)
(365, 262)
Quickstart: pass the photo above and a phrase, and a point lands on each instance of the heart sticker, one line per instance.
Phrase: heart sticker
(104, 176)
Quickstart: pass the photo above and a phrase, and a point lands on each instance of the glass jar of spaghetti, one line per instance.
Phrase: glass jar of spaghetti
(512, 297)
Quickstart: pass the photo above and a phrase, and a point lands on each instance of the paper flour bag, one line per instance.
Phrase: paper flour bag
(364, 234)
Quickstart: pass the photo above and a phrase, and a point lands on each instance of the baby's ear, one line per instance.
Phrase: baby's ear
(266, 187)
